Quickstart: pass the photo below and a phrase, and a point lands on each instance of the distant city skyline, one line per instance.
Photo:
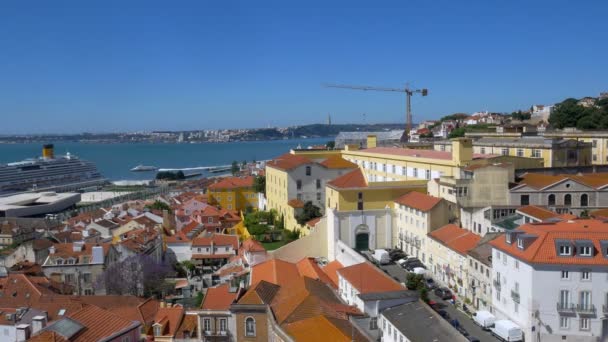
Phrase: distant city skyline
(144, 65)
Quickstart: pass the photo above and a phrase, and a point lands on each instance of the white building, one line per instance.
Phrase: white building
(552, 280)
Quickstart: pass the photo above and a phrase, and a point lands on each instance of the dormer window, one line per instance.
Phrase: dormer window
(59, 261)
(520, 243)
(157, 330)
(585, 250)
(565, 250)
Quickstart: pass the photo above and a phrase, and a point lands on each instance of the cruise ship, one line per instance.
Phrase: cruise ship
(48, 173)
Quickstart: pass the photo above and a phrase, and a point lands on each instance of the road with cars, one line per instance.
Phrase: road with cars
(400, 275)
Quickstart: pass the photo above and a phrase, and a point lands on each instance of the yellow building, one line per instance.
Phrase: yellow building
(597, 139)
(555, 152)
(234, 193)
(292, 180)
(352, 192)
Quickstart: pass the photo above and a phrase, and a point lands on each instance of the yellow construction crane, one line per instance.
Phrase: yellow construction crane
(408, 94)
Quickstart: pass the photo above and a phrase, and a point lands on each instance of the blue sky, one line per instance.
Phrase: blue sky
(73, 66)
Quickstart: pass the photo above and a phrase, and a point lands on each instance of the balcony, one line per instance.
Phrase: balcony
(216, 333)
(496, 284)
(515, 296)
(585, 309)
(605, 308)
(565, 308)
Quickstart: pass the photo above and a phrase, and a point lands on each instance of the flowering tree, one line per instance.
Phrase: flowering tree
(137, 275)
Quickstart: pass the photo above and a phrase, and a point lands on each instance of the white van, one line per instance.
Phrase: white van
(381, 257)
(484, 319)
(507, 331)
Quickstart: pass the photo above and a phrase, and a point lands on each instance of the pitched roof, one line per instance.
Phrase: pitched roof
(540, 181)
(308, 267)
(218, 298)
(353, 179)
(233, 182)
(275, 271)
(252, 245)
(170, 319)
(543, 250)
(323, 328)
(99, 323)
(366, 278)
(337, 162)
(295, 203)
(331, 269)
(261, 293)
(417, 200)
(409, 152)
(538, 212)
(288, 161)
(218, 240)
(457, 239)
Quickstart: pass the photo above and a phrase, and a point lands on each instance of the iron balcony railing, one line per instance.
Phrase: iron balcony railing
(585, 309)
(496, 284)
(515, 296)
(605, 308)
(565, 308)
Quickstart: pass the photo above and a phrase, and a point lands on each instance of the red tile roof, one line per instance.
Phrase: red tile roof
(544, 235)
(457, 239)
(331, 270)
(232, 183)
(308, 267)
(337, 162)
(288, 161)
(312, 223)
(251, 245)
(274, 271)
(295, 203)
(353, 179)
(538, 212)
(366, 278)
(170, 319)
(99, 323)
(218, 298)
(217, 240)
(417, 200)
(541, 181)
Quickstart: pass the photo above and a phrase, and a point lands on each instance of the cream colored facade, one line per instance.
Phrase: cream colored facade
(597, 139)
(377, 195)
(448, 266)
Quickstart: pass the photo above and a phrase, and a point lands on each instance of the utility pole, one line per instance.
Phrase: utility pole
(408, 102)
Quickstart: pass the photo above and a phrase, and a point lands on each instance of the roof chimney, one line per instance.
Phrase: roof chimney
(52, 250)
(38, 323)
(23, 332)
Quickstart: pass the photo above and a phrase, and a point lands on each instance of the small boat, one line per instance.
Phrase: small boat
(140, 168)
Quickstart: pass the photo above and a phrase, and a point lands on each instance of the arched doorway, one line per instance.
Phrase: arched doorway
(362, 238)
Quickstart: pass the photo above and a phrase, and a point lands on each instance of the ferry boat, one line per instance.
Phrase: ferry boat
(140, 168)
(49, 173)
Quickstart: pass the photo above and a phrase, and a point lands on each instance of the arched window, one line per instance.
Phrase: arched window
(584, 200)
(552, 199)
(568, 199)
(250, 327)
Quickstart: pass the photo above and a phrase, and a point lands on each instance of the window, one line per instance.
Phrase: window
(299, 184)
(210, 220)
(308, 171)
(564, 299)
(585, 250)
(157, 331)
(416, 172)
(520, 152)
(89, 292)
(483, 150)
(525, 199)
(69, 278)
(318, 196)
(373, 323)
(428, 174)
(564, 322)
(594, 143)
(585, 275)
(394, 169)
(565, 250)
(360, 201)
(207, 324)
(535, 153)
(403, 170)
(551, 199)
(584, 323)
(249, 327)
(568, 199)
(584, 200)
(222, 324)
(585, 300)
(86, 277)
(520, 243)
(318, 184)
(505, 152)
(565, 275)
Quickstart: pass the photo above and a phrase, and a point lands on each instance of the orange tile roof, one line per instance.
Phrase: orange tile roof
(312, 223)
(170, 319)
(288, 161)
(218, 298)
(543, 249)
(274, 271)
(190, 325)
(323, 328)
(331, 269)
(538, 212)
(353, 179)
(600, 213)
(366, 278)
(252, 245)
(541, 181)
(99, 323)
(295, 203)
(217, 240)
(232, 183)
(262, 292)
(457, 239)
(308, 267)
(337, 162)
(417, 200)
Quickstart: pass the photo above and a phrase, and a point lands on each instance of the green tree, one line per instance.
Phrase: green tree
(158, 205)
(309, 212)
(521, 116)
(566, 114)
(259, 184)
(234, 168)
(456, 133)
(330, 145)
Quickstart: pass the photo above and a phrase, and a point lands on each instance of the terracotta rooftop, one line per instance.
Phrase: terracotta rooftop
(217, 240)
(540, 181)
(353, 179)
(419, 201)
(170, 319)
(252, 245)
(457, 239)
(233, 182)
(331, 269)
(538, 212)
(288, 161)
(543, 237)
(219, 298)
(308, 267)
(324, 328)
(274, 271)
(262, 292)
(337, 162)
(295, 203)
(99, 323)
(366, 278)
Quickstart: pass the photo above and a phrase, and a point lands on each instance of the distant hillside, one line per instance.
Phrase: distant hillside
(320, 130)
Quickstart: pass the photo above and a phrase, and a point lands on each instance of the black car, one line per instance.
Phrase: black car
(430, 283)
(443, 293)
(443, 314)
(472, 339)
(396, 255)
(410, 266)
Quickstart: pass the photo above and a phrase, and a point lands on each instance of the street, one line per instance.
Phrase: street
(399, 274)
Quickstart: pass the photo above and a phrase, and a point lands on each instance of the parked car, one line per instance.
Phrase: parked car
(381, 257)
(397, 254)
(414, 264)
(507, 331)
(430, 283)
(484, 319)
(462, 330)
(443, 314)
(472, 339)
(443, 293)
